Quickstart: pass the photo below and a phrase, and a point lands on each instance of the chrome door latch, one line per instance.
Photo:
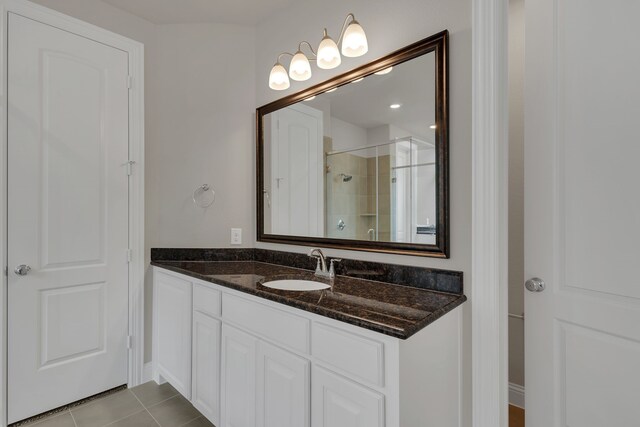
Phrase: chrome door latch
(535, 284)
(22, 270)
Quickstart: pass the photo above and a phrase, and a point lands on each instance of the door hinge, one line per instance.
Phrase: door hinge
(129, 342)
(6, 270)
(130, 164)
(128, 255)
(130, 82)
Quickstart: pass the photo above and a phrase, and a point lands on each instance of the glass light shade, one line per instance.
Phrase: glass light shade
(300, 69)
(328, 54)
(354, 43)
(278, 79)
(383, 72)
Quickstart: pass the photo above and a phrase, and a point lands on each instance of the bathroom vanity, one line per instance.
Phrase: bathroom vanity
(362, 353)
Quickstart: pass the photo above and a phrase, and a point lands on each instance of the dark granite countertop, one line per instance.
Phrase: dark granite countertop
(391, 309)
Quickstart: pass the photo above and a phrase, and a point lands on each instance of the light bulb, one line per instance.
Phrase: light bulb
(354, 43)
(278, 79)
(383, 72)
(300, 69)
(328, 53)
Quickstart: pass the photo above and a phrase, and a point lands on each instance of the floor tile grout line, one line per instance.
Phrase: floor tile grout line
(147, 409)
(192, 420)
(119, 419)
(157, 403)
(72, 417)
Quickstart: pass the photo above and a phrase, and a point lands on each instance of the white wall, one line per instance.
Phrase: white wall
(516, 190)
(390, 26)
(346, 136)
(205, 94)
(204, 79)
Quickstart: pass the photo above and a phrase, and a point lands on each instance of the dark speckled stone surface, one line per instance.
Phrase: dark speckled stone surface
(392, 309)
(416, 277)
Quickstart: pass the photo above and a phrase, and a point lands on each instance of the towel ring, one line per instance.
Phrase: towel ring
(200, 196)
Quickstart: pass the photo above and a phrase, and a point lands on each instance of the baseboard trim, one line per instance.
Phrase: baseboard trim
(147, 372)
(516, 395)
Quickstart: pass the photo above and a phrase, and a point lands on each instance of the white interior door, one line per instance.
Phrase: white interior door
(67, 217)
(582, 213)
(297, 172)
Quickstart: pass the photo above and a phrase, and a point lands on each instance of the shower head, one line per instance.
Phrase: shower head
(346, 178)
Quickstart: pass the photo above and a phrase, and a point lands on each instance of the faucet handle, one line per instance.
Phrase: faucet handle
(332, 270)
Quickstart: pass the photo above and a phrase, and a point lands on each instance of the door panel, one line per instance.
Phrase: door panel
(206, 366)
(338, 402)
(67, 217)
(238, 378)
(297, 172)
(173, 323)
(582, 213)
(283, 385)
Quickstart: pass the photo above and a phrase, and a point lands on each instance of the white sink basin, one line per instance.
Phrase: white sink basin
(296, 285)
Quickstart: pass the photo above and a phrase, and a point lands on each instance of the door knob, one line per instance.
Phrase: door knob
(22, 270)
(535, 285)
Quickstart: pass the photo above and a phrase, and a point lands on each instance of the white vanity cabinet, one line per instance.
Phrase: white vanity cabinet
(205, 390)
(258, 363)
(238, 378)
(283, 388)
(172, 330)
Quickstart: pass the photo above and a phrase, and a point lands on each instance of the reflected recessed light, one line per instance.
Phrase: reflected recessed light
(383, 72)
(395, 106)
(332, 90)
(358, 80)
(311, 98)
(432, 126)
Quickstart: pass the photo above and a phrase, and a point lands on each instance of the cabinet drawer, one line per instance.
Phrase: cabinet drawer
(266, 322)
(206, 300)
(352, 354)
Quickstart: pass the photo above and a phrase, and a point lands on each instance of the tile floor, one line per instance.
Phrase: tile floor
(148, 405)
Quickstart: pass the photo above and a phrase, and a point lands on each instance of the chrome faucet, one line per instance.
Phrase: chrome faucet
(321, 266)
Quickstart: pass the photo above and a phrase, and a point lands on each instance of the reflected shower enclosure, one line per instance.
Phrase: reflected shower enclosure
(382, 193)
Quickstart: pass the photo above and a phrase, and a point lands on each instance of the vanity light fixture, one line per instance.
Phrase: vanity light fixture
(354, 44)
(432, 127)
(383, 72)
(395, 106)
(332, 90)
(358, 80)
(311, 98)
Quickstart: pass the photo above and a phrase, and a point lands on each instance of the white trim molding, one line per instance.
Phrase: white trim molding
(135, 50)
(490, 214)
(516, 395)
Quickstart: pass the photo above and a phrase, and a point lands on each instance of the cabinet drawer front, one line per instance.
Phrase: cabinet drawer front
(206, 300)
(340, 402)
(352, 354)
(269, 323)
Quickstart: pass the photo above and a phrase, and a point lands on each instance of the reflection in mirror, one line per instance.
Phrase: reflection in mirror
(360, 161)
(357, 163)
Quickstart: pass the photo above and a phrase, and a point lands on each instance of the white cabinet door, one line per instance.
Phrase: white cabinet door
(283, 388)
(172, 325)
(338, 402)
(238, 378)
(206, 366)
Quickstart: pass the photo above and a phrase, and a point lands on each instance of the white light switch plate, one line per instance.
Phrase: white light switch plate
(236, 236)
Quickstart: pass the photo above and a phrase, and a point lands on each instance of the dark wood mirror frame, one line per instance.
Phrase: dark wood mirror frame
(439, 44)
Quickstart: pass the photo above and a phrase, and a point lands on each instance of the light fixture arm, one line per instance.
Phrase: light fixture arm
(284, 53)
(344, 26)
(313, 52)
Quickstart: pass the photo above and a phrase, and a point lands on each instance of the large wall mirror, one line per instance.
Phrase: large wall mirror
(361, 161)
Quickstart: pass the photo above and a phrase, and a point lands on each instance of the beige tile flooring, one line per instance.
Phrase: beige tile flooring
(148, 405)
